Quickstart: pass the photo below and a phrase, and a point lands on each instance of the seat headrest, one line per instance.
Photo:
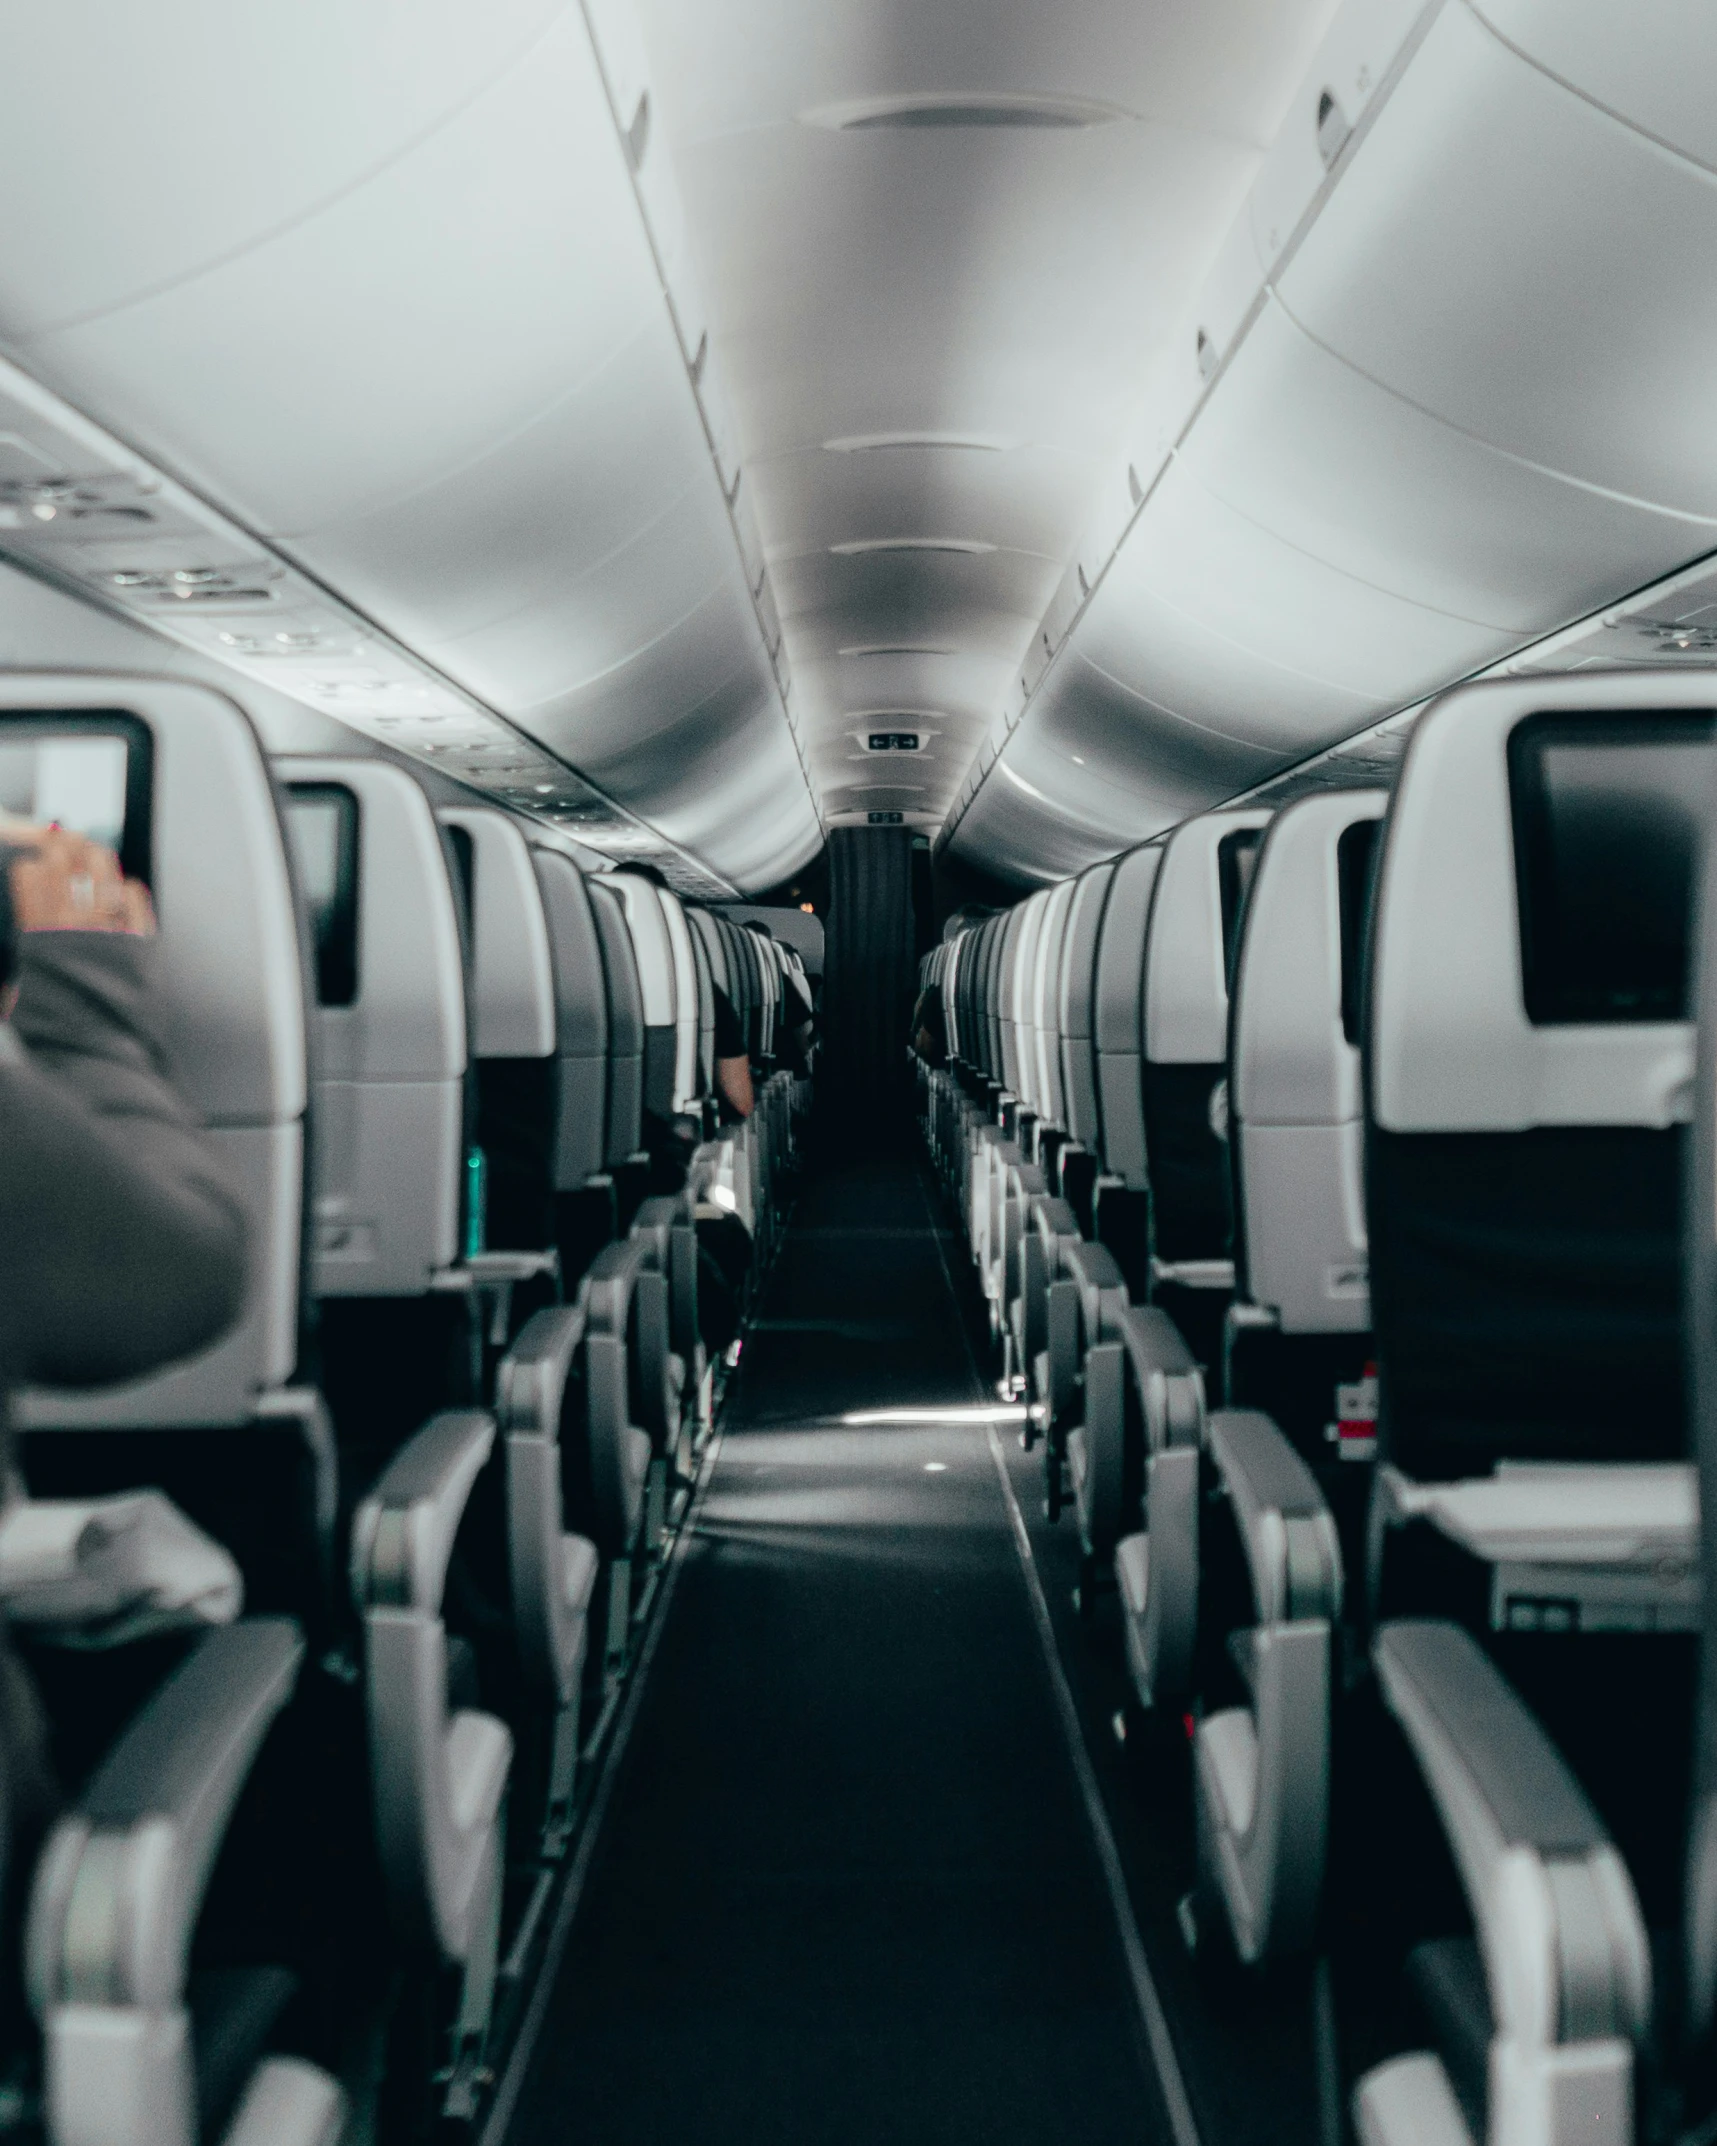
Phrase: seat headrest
(1529, 946)
(391, 1025)
(512, 970)
(1195, 920)
(646, 920)
(174, 777)
(624, 1132)
(1294, 1039)
(1051, 951)
(1076, 1003)
(687, 1013)
(581, 1018)
(1119, 1015)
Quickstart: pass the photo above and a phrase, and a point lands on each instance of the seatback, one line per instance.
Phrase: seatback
(1076, 1005)
(1025, 995)
(1528, 1061)
(391, 1026)
(1196, 909)
(175, 775)
(989, 995)
(648, 925)
(706, 1007)
(624, 1129)
(581, 1019)
(512, 1018)
(768, 987)
(1118, 1022)
(688, 1011)
(1051, 947)
(1296, 1124)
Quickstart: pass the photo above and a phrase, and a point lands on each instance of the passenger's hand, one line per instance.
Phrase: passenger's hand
(66, 882)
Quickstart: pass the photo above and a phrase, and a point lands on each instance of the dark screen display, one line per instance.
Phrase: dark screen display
(1236, 860)
(323, 818)
(1356, 876)
(463, 853)
(89, 773)
(1607, 817)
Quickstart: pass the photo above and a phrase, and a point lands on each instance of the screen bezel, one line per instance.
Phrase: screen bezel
(136, 844)
(1530, 819)
(336, 983)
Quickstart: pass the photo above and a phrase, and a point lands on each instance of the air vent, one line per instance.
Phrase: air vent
(1206, 357)
(886, 819)
(859, 547)
(1333, 129)
(964, 108)
(865, 443)
(892, 741)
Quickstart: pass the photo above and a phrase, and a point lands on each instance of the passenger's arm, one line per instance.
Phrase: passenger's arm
(124, 1243)
(733, 1078)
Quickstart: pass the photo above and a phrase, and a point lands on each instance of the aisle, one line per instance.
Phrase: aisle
(846, 1890)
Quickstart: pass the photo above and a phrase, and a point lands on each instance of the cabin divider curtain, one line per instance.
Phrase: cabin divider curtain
(870, 977)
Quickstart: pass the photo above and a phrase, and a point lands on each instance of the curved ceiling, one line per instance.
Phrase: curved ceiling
(943, 247)
(641, 407)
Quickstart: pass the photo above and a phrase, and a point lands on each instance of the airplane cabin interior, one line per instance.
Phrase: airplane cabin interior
(858, 1073)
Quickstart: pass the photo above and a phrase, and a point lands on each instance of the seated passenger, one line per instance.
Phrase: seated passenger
(929, 1027)
(732, 1061)
(122, 1244)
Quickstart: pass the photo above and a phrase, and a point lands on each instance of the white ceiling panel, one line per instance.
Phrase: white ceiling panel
(1509, 257)
(442, 376)
(1467, 404)
(929, 283)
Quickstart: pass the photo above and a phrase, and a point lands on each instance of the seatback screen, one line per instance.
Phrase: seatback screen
(1355, 872)
(1236, 860)
(323, 820)
(90, 774)
(1608, 811)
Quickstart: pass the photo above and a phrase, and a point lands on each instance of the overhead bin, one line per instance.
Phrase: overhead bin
(1446, 390)
(442, 376)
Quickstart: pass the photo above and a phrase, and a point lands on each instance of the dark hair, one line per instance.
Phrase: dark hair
(651, 872)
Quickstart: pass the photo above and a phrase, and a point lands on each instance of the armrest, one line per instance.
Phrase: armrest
(121, 1881)
(1286, 1529)
(1055, 1219)
(1170, 1384)
(607, 1288)
(530, 1383)
(1102, 1285)
(403, 1535)
(1564, 1947)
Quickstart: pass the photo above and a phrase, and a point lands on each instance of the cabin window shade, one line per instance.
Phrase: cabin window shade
(1608, 812)
(323, 820)
(92, 773)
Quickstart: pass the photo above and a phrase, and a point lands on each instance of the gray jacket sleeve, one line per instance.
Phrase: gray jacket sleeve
(122, 1241)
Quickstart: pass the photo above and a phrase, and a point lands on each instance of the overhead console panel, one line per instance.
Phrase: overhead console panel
(414, 327)
(1446, 393)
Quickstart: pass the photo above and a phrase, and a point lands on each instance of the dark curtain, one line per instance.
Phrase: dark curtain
(869, 978)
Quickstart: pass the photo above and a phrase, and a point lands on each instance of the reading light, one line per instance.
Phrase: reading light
(963, 108)
(875, 442)
(894, 648)
(859, 546)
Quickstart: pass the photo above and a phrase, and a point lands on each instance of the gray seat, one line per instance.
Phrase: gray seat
(1529, 1064)
(397, 1265)
(1297, 1341)
(200, 822)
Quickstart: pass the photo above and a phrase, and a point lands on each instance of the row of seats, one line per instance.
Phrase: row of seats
(469, 1092)
(1323, 1172)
